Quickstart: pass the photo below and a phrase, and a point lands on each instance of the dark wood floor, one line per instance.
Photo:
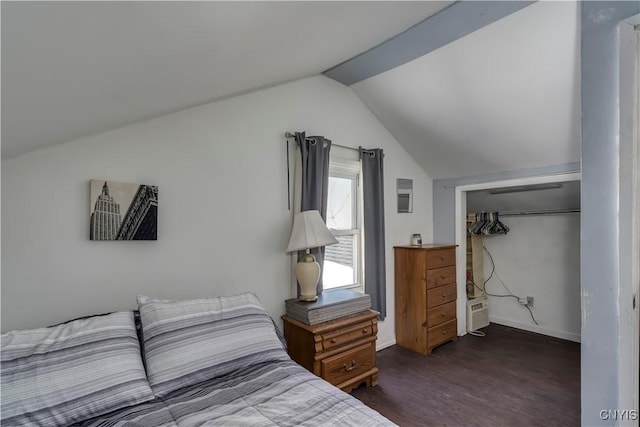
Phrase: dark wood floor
(508, 378)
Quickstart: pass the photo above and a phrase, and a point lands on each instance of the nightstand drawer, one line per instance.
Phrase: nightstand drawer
(441, 258)
(441, 295)
(441, 313)
(442, 333)
(341, 367)
(441, 276)
(348, 335)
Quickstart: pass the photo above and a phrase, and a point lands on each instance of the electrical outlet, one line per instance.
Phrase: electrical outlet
(529, 301)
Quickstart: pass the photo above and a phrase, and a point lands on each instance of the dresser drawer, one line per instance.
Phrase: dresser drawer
(441, 333)
(441, 276)
(348, 335)
(441, 313)
(441, 295)
(441, 258)
(344, 366)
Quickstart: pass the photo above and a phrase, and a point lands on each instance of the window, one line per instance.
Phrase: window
(343, 261)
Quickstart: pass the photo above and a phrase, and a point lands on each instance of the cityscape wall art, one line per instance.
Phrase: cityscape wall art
(122, 211)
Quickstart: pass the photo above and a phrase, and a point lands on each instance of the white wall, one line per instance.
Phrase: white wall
(223, 220)
(539, 257)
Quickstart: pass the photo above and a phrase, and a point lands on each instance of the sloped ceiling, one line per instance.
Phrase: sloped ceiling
(505, 97)
(70, 69)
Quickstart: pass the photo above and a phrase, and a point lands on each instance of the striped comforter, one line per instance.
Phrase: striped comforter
(276, 393)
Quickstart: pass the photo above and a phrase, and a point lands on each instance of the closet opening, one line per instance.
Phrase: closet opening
(522, 259)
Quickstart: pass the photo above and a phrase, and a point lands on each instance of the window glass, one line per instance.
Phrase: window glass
(339, 209)
(340, 263)
(343, 261)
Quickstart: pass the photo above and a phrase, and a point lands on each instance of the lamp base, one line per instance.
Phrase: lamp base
(308, 274)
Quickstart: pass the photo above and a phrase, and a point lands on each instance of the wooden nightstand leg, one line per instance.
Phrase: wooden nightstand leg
(370, 378)
(374, 380)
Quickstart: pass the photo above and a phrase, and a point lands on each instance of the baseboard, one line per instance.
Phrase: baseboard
(537, 329)
(380, 345)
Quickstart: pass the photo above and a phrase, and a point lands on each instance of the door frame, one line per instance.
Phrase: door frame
(629, 268)
(461, 228)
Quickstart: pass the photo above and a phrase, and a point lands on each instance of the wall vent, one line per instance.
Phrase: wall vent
(477, 314)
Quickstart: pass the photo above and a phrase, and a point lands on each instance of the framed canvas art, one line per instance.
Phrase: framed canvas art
(123, 211)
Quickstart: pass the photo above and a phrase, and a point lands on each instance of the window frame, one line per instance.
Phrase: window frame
(350, 169)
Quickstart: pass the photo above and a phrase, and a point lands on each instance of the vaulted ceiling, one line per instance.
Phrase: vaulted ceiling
(503, 97)
(71, 69)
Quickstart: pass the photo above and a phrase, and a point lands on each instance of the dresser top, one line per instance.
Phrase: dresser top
(427, 246)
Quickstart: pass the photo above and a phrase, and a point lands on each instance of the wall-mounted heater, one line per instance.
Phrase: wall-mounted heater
(477, 313)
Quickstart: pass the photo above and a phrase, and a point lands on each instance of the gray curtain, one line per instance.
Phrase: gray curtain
(314, 153)
(374, 246)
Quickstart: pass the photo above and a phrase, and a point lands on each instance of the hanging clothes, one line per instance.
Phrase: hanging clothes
(488, 224)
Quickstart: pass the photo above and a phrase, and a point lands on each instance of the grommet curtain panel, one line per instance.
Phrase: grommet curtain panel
(312, 183)
(374, 244)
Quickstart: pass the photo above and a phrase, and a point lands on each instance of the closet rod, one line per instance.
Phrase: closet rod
(292, 135)
(540, 212)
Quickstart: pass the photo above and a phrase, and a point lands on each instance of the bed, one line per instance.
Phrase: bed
(215, 361)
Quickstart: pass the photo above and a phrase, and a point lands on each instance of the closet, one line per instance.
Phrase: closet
(523, 255)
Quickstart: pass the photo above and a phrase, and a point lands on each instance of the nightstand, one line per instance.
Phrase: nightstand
(341, 351)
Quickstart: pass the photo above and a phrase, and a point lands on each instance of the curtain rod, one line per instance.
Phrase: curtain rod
(539, 212)
(292, 135)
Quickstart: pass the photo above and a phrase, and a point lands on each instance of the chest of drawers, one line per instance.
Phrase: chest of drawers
(341, 351)
(425, 291)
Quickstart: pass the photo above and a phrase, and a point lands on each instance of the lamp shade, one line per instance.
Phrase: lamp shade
(309, 231)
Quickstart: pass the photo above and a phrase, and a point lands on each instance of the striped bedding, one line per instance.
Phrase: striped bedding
(59, 375)
(275, 393)
(216, 361)
(187, 342)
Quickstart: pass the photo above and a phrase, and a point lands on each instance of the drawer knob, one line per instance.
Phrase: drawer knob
(349, 368)
(365, 331)
(333, 340)
(442, 277)
(444, 332)
(444, 295)
(443, 314)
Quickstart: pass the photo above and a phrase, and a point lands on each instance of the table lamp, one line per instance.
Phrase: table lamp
(308, 231)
